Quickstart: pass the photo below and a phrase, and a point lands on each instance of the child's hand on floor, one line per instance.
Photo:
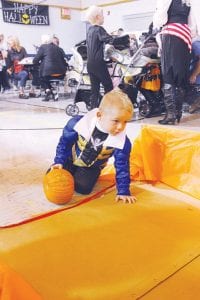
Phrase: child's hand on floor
(126, 198)
(56, 166)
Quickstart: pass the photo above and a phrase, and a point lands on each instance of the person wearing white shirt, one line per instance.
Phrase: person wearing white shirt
(174, 17)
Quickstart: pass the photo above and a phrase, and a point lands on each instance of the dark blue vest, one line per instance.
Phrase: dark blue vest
(178, 12)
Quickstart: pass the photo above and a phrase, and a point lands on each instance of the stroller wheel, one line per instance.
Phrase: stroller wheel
(145, 109)
(88, 106)
(72, 110)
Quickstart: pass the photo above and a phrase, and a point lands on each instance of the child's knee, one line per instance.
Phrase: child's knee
(82, 188)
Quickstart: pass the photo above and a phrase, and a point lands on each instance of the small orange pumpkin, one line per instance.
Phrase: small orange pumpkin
(58, 185)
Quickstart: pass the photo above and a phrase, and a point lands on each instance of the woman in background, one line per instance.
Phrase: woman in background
(15, 54)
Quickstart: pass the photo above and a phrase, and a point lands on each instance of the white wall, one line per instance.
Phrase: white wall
(115, 15)
(69, 31)
(72, 31)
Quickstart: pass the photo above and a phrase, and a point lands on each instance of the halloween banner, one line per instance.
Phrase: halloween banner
(26, 14)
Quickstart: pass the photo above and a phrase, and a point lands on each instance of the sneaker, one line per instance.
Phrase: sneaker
(23, 96)
(55, 97)
(48, 96)
(194, 106)
(15, 88)
(5, 90)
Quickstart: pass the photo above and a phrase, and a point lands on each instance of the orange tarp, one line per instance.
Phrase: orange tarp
(97, 251)
(13, 287)
(105, 250)
(168, 155)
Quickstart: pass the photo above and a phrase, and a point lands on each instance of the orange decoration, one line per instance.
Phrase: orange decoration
(58, 186)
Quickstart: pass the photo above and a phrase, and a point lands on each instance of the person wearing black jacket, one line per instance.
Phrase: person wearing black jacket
(52, 65)
(96, 66)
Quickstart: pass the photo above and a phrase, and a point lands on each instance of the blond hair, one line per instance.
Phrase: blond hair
(15, 43)
(92, 13)
(187, 2)
(116, 98)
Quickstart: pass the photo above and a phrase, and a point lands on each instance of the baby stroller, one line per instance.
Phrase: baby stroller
(138, 76)
(78, 78)
(141, 77)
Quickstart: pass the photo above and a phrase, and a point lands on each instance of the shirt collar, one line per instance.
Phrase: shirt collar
(86, 125)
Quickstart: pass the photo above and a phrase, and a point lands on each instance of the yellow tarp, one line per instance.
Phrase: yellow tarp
(168, 155)
(106, 250)
(14, 287)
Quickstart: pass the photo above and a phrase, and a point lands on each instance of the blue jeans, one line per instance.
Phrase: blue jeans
(196, 57)
(22, 76)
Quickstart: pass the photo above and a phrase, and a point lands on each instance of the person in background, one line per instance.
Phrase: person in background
(15, 54)
(173, 16)
(120, 32)
(56, 41)
(4, 82)
(52, 64)
(97, 69)
(193, 94)
(195, 77)
(89, 141)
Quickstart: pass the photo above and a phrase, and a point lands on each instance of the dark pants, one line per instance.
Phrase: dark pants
(99, 74)
(35, 73)
(85, 178)
(4, 81)
(46, 80)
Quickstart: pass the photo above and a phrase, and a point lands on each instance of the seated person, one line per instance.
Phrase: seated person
(52, 64)
(89, 141)
(15, 54)
(195, 77)
(4, 82)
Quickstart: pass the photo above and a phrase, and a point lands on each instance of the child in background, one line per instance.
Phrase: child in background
(96, 66)
(89, 141)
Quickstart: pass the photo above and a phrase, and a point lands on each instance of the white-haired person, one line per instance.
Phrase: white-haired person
(52, 64)
(96, 66)
(174, 17)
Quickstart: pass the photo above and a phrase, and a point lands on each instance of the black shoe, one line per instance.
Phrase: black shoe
(23, 96)
(32, 95)
(178, 116)
(47, 96)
